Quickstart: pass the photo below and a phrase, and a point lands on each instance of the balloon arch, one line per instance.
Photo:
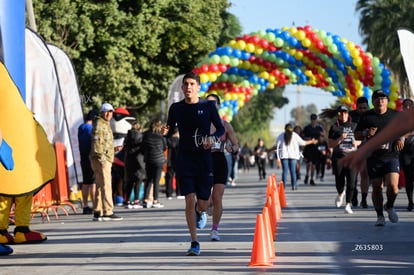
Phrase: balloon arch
(270, 58)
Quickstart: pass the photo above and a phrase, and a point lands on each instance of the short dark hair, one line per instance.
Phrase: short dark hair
(217, 98)
(192, 75)
(361, 100)
(407, 100)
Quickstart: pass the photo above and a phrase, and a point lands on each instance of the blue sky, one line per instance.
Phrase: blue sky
(335, 16)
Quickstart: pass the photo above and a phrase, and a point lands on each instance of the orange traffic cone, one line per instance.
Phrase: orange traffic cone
(260, 251)
(276, 205)
(272, 179)
(268, 230)
(272, 216)
(282, 197)
(269, 188)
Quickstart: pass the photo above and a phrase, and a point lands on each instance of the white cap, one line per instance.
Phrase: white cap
(119, 142)
(106, 107)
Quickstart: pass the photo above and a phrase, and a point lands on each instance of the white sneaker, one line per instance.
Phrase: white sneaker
(214, 235)
(348, 209)
(137, 206)
(340, 200)
(157, 205)
(380, 221)
(392, 215)
(180, 197)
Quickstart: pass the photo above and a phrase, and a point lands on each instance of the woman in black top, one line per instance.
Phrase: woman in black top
(341, 139)
(154, 146)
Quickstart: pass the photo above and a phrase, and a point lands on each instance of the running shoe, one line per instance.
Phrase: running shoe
(137, 206)
(194, 250)
(157, 205)
(97, 217)
(340, 200)
(364, 204)
(380, 221)
(112, 217)
(410, 206)
(348, 209)
(201, 219)
(214, 235)
(392, 215)
(5, 250)
(147, 204)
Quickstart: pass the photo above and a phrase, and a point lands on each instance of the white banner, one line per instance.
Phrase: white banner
(46, 98)
(407, 51)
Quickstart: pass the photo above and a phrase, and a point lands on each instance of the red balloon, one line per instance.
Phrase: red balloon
(204, 68)
(255, 39)
(264, 44)
(213, 68)
(222, 68)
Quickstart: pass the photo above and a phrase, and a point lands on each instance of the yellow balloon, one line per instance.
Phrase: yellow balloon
(359, 92)
(394, 87)
(264, 75)
(258, 51)
(250, 47)
(350, 45)
(292, 52)
(254, 67)
(300, 35)
(212, 77)
(203, 78)
(241, 44)
(233, 43)
(227, 96)
(293, 30)
(245, 65)
(357, 61)
(299, 55)
(306, 42)
(393, 96)
(308, 73)
(391, 104)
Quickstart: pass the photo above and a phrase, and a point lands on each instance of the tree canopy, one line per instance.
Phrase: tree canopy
(128, 52)
(379, 22)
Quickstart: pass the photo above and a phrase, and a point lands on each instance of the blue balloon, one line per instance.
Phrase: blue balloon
(246, 55)
(204, 87)
(228, 50)
(237, 53)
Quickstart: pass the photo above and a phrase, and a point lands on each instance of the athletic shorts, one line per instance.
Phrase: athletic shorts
(195, 174)
(378, 168)
(87, 172)
(220, 169)
(310, 153)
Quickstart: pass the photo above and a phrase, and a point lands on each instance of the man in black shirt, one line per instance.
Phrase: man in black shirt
(310, 153)
(361, 107)
(193, 117)
(383, 163)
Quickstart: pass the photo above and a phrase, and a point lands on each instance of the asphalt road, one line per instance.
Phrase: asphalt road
(313, 237)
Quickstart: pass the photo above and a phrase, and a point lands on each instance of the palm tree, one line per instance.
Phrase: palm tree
(378, 25)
